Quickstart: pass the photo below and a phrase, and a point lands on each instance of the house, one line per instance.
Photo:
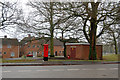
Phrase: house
(81, 51)
(58, 48)
(31, 45)
(34, 45)
(9, 47)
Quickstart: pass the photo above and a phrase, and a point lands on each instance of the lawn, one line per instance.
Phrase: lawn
(108, 57)
(111, 57)
(18, 61)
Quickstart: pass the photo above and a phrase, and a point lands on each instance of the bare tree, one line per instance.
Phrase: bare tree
(95, 16)
(111, 36)
(9, 14)
(43, 20)
(68, 32)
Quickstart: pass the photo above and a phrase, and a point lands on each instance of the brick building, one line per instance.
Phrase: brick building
(34, 45)
(31, 45)
(81, 51)
(9, 48)
(58, 48)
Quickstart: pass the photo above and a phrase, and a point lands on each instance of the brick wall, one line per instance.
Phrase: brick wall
(29, 48)
(58, 51)
(82, 51)
(32, 46)
(14, 49)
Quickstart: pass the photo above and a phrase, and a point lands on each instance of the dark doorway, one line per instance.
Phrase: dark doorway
(55, 53)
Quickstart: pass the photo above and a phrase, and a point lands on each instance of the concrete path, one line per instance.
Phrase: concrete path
(46, 63)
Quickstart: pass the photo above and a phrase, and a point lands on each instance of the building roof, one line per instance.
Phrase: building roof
(43, 40)
(56, 42)
(11, 41)
(26, 39)
(79, 44)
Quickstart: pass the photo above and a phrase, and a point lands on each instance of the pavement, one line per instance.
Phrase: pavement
(61, 71)
(41, 62)
(49, 63)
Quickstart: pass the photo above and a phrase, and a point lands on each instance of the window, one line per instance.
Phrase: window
(0, 52)
(59, 51)
(8, 46)
(0, 45)
(5, 53)
(29, 52)
(33, 46)
(12, 54)
(38, 46)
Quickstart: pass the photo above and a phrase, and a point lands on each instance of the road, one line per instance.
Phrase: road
(69, 71)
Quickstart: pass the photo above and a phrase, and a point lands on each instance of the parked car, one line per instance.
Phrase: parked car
(29, 55)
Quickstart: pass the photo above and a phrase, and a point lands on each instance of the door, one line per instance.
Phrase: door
(34, 54)
(73, 53)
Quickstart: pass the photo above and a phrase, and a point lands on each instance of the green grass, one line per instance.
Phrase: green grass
(17, 61)
(111, 57)
(73, 60)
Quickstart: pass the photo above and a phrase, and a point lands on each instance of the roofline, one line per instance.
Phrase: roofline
(79, 44)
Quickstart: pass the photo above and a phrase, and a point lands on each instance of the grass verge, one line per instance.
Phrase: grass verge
(111, 57)
(18, 61)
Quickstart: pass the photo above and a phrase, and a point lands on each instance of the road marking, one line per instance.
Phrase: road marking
(42, 70)
(87, 69)
(113, 68)
(101, 69)
(58, 69)
(73, 69)
(24, 70)
(6, 71)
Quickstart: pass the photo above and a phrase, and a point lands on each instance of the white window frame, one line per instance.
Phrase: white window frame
(12, 53)
(9, 46)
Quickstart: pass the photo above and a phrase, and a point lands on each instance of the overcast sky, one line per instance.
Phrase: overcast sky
(21, 3)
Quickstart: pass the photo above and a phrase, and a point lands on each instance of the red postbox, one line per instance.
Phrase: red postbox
(45, 52)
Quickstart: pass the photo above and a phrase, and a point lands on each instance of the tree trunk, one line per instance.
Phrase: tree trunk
(51, 31)
(64, 49)
(115, 44)
(92, 51)
(93, 30)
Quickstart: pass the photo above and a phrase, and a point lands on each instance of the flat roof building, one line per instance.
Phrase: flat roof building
(81, 51)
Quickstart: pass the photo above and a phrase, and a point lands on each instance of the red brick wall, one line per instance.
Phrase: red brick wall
(82, 51)
(8, 51)
(59, 50)
(25, 49)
